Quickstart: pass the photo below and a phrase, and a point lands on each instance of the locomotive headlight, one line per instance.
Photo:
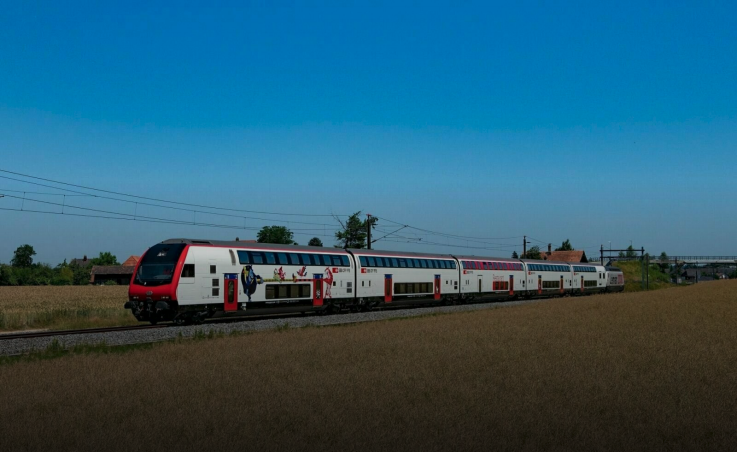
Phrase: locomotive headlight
(165, 297)
(135, 298)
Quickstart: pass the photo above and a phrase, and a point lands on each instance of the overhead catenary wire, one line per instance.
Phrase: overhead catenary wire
(158, 199)
(411, 234)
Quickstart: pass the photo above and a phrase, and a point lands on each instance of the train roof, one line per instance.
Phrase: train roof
(486, 258)
(256, 245)
(613, 269)
(367, 252)
(302, 248)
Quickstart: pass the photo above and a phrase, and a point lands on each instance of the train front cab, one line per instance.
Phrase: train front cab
(614, 279)
(152, 291)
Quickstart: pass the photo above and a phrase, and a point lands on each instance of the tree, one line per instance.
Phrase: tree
(533, 253)
(23, 256)
(631, 252)
(515, 255)
(275, 234)
(621, 254)
(106, 258)
(565, 246)
(664, 257)
(314, 241)
(354, 232)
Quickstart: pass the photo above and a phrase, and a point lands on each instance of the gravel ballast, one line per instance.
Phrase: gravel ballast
(21, 346)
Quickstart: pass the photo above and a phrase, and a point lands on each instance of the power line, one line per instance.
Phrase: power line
(150, 204)
(157, 199)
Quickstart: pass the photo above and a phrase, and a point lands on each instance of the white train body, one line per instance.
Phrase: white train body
(189, 280)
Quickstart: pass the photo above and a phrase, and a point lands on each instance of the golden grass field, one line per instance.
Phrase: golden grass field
(61, 307)
(640, 371)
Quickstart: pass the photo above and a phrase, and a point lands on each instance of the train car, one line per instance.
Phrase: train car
(385, 277)
(549, 278)
(491, 277)
(188, 280)
(589, 278)
(614, 279)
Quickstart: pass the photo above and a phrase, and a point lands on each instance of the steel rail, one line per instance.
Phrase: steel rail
(48, 333)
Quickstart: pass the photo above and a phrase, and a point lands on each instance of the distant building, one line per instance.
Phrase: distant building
(564, 256)
(120, 274)
(84, 262)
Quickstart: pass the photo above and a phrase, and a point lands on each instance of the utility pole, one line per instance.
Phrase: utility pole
(524, 248)
(368, 226)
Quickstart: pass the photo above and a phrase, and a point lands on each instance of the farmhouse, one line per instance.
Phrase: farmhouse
(120, 274)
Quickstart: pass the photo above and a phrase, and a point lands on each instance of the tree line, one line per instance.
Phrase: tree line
(23, 271)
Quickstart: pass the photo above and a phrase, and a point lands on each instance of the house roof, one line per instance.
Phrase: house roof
(131, 261)
(111, 270)
(566, 256)
(82, 262)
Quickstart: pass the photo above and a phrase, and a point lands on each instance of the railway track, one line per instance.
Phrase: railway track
(36, 334)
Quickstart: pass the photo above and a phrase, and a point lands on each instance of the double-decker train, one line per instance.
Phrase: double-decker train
(187, 281)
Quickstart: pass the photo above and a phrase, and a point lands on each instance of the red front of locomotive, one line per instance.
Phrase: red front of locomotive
(152, 293)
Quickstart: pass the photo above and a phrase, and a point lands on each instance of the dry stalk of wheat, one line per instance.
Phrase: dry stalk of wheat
(62, 306)
(641, 371)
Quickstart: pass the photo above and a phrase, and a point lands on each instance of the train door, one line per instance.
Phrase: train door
(582, 285)
(436, 290)
(387, 288)
(539, 284)
(317, 292)
(511, 285)
(230, 291)
(562, 287)
(481, 284)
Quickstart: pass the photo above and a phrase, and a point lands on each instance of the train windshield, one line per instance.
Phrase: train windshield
(157, 266)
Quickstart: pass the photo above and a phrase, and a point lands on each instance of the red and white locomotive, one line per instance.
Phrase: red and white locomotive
(187, 280)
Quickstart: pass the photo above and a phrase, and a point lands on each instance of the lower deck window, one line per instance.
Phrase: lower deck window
(590, 283)
(551, 284)
(412, 288)
(276, 291)
(501, 285)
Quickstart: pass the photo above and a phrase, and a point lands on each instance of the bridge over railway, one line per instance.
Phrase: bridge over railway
(681, 260)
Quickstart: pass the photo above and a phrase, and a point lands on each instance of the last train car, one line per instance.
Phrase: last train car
(189, 280)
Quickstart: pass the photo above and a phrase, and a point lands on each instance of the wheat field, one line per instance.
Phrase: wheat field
(31, 307)
(641, 371)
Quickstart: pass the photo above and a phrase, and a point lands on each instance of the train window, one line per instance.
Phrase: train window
(444, 264)
(305, 259)
(452, 264)
(423, 263)
(379, 261)
(188, 271)
(417, 263)
(465, 264)
(256, 257)
(394, 262)
(402, 263)
(281, 259)
(215, 282)
(370, 262)
(344, 260)
(243, 257)
(336, 260)
(410, 263)
(270, 258)
(293, 259)
(213, 269)
(215, 292)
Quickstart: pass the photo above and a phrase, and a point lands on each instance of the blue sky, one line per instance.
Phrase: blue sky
(595, 122)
